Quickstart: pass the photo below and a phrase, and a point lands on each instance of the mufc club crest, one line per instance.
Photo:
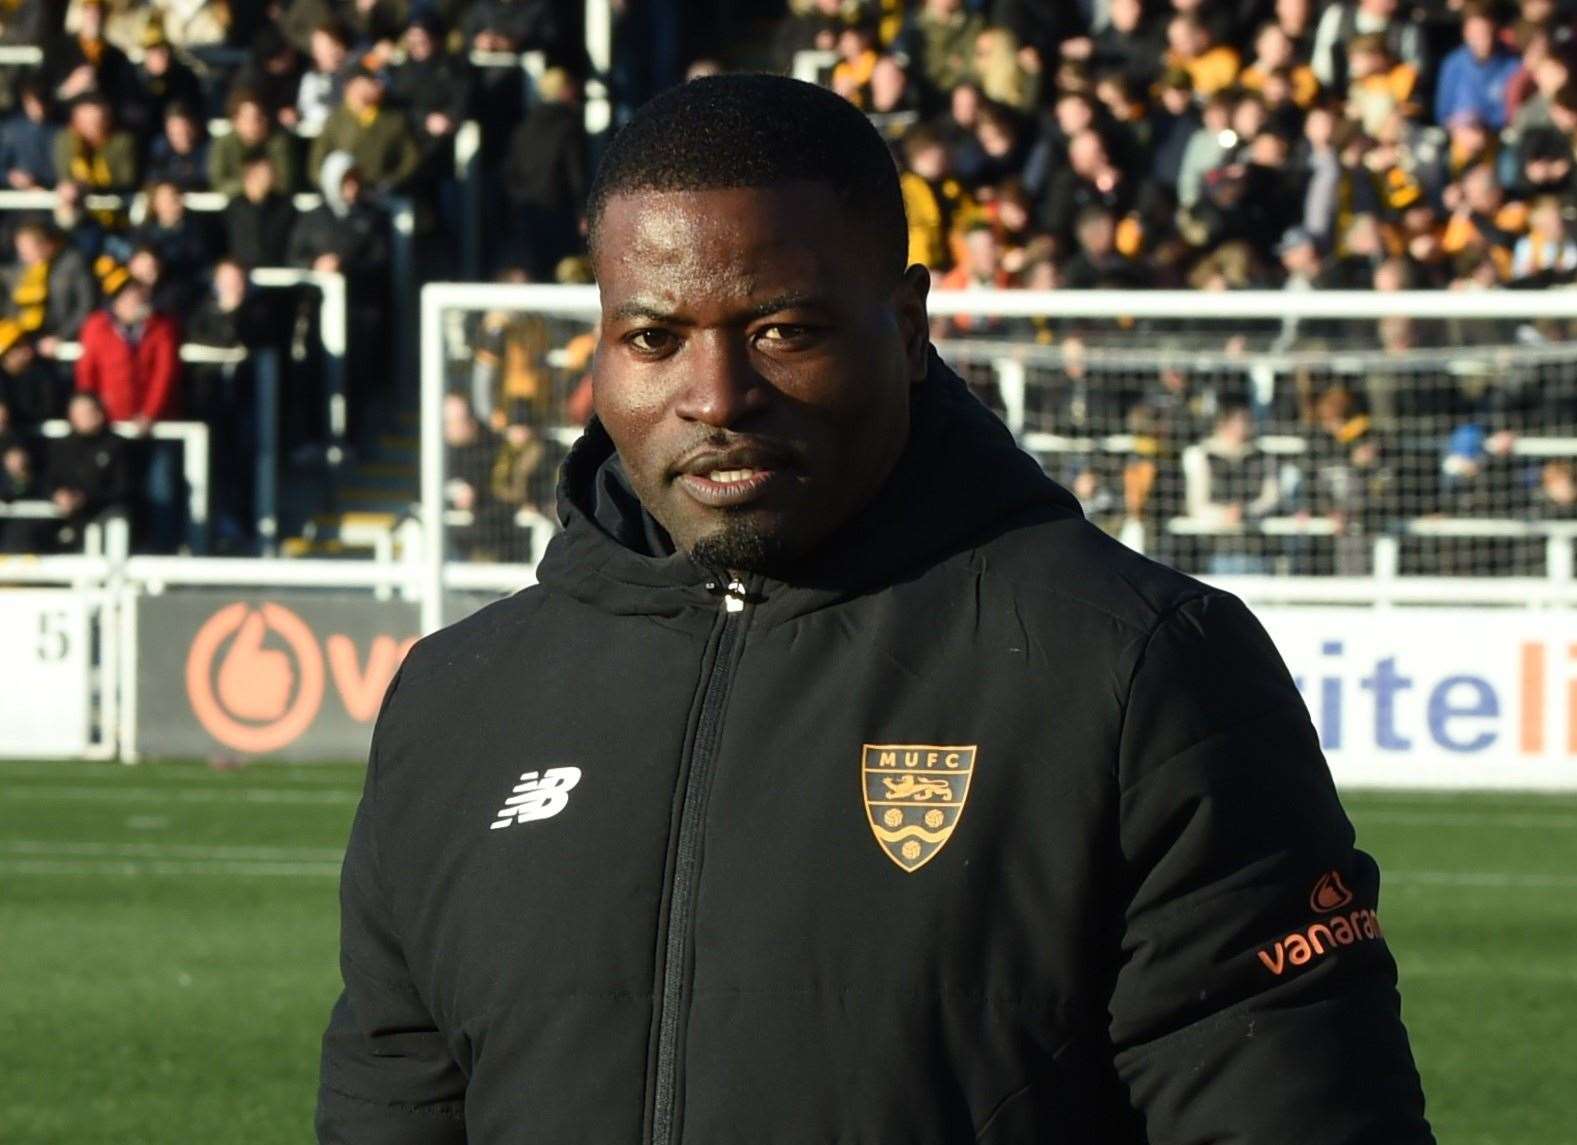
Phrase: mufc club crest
(914, 794)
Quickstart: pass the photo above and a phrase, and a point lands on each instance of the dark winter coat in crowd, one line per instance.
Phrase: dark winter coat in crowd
(258, 233)
(96, 465)
(178, 85)
(228, 156)
(31, 388)
(437, 84)
(187, 170)
(29, 147)
(186, 249)
(547, 165)
(358, 236)
(530, 24)
(974, 795)
(384, 148)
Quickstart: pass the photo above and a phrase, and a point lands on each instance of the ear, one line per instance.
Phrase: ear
(914, 322)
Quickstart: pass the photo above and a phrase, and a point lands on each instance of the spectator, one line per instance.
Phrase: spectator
(945, 38)
(1097, 262)
(1378, 85)
(1190, 45)
(258, 221)
(92, 153)
(19, 481)
(1548, 250)
(515, 25)
(230, 317)
(1173, 123)
(180, 154)
(252, 134)
(1482, 221)
(433, 89)
(933, 199)
(320, 90)
(1009, 75)
(1473, 78)
(29, 386)
(27, 139)
(1210, 146)
(978, 268)
(1089, 178)
(811, 26)
(50, 291)
(130, 358)
(1275, 54)
(378, 138)
(163, 79)
(1230, 483)
(547, 176)
(183, 241)
(131, 362)
(345, 234)
(1129, 42)
(470, 455)
(1555, 499)
(857, 56)
(272, 75)
(1344, 21)
(89, 469)
(90, 64)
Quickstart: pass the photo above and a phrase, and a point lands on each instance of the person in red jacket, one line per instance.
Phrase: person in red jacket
(131, 358)
(131, 361)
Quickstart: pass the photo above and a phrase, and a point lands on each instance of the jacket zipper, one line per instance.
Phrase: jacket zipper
(687, 854)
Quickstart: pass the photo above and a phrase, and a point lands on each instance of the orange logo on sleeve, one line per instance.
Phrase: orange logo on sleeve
(1329, 894)
(247, 692)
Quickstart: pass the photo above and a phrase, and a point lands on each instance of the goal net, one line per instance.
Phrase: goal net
(1317, 438)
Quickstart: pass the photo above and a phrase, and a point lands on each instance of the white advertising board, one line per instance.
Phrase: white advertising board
(1436, 697)
(45, 658)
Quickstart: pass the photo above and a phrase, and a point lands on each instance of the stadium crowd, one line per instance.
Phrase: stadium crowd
(1053, 144)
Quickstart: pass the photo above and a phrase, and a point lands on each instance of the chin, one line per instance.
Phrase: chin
(743, 544)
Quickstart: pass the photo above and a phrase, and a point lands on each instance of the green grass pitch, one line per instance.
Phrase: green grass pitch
(167, 951)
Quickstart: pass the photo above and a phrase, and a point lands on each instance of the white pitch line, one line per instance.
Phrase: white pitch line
(1493, 879)
(215, 852)
(1517, 819)
(98, 867)
(80, 793)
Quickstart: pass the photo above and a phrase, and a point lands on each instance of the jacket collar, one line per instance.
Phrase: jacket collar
(960, 480)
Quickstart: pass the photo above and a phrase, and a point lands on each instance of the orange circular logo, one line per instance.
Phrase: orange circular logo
(247, 695)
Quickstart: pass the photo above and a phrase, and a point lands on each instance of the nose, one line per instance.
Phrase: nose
(722, 386)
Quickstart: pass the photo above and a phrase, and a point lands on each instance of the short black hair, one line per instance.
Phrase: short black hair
(728, 131)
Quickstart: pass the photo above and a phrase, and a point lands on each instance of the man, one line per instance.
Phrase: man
(258, 222)
(378, 138)
(89, 469)
(131, 358)
(1473, 78)
(252, 135)
(545, 175)
(839, 781)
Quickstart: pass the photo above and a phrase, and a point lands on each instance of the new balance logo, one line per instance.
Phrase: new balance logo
(538, 795)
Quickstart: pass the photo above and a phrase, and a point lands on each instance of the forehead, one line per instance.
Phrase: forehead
(717, 247)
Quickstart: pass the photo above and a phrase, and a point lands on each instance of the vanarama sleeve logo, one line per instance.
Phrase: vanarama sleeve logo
(1340, 927)
(914, 795)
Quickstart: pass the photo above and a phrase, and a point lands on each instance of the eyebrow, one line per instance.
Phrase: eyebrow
(639, 308)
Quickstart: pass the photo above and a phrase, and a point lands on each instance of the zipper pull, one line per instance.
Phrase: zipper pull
(734, 596)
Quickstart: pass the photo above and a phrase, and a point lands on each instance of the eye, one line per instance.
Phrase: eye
(650, 341)
(784, 335)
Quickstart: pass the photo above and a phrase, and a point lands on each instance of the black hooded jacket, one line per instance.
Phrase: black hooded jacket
(976, 827)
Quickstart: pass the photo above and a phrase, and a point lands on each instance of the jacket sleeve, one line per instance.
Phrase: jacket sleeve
(387, 1076)
(1255, 1001)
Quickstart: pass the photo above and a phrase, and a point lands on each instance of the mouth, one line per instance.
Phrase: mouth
(728, 479)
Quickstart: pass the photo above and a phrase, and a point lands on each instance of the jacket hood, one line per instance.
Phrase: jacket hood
(960, 479)
(331, 178)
